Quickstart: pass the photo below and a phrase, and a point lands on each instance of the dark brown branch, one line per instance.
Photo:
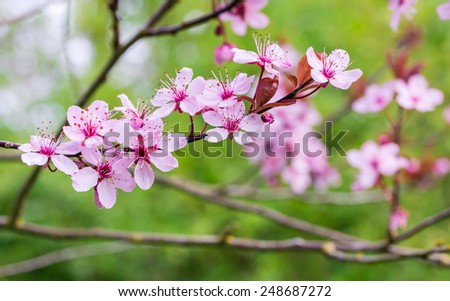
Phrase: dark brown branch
(8, 144)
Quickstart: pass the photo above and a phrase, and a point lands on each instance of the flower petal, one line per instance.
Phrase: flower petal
(144, 175)
(34, 159)
(84, 179)
(164, 162)
(216, 135)
(107, 194)
(64, 164)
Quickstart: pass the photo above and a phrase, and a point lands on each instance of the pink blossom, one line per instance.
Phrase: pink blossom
(416, 95)
(179, 94)
(232, 121)
(398, 219)
(374, 161)
(105, 176)
(225, 92)
(90, 125)
(297, 175)
(375, 98)
(223, 53)
(447, 114)
(332, 68)
(269, 55)
(152, 149)
(443, 11)
(41, 150)
(138, 116)
(246, 12)
(399, 8)
(441, 167)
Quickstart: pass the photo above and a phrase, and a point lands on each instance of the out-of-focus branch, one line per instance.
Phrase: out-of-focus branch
(8, 144)
(429, 221)
(198, 190)
(113, 6)
(63, 255)
(278, 194)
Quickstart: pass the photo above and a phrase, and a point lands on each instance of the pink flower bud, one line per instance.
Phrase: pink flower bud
(384, 138)
(223, 53)
(398, 219)
(268, 118)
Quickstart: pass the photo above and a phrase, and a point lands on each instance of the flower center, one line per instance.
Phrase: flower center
(239, 10)
(104, 170)
(90, 130)
(232, 125)
(226, 93)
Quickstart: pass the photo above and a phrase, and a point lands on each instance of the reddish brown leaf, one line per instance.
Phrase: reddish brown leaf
(303, 70)
(266, 89)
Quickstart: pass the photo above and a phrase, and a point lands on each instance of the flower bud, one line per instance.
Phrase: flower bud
(267, 117)
(223, 53)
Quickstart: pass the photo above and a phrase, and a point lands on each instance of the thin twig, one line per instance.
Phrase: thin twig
(63, 255)
(113, 6)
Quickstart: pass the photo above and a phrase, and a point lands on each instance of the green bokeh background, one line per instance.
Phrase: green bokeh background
(360, 27)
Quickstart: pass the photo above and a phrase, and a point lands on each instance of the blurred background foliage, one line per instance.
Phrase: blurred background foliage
(47, 60)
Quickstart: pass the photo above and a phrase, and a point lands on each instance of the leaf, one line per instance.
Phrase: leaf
(303, 71)
(267, 87)
(292, 79)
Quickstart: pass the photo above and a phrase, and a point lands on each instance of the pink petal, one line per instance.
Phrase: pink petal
(34, 159)
(443, 11)
(313, 60)
(84, 179)
(93, 142)
(144, 175)
(164, 162)
(164, 110)
(238, 26)
(184, 76)
(162, 97)
(251, 123)
(318, 76)
(126, 102)
(190, 105)
(234, 112)
(124, 181)
(243, 138)
(74, 133)
(196, 86)
(74, 116)
(92, 155)
(27, 147)
(107, 194)
(98, 111)
(214, 118)
(257, 20)
(64, 164)
(216, 135)
(241, 83)
(68, 148)
(244, 56)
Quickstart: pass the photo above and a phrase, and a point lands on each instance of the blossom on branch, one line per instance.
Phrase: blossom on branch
(269, 55)
(43, 149)
(332, 68)
(179, 94)
(376, 98)
(416, 94)
(401, 8)
(443, 11)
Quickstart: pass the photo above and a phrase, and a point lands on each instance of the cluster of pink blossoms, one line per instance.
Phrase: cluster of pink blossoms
(407, 9)
(120, 148)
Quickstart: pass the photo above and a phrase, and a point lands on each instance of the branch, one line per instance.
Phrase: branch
(271, 214)
(173, 29)
(63, 255)
(113, 6)
(429, 221)
(102, 76)
(9, 145)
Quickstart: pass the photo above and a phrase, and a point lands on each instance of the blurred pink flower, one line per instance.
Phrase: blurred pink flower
(41, 150)
(223, 53)
(447, 114)
(246, 12)
(373, 161)
(90, 125)
(105, 176)
(443, 11)
(232, 121)
(269, 55)
(179, 94)
(398, 219)
(441, 167)
(332, 68)
(224, 92)
(375, 98)
(416, 95)
(399, 8)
